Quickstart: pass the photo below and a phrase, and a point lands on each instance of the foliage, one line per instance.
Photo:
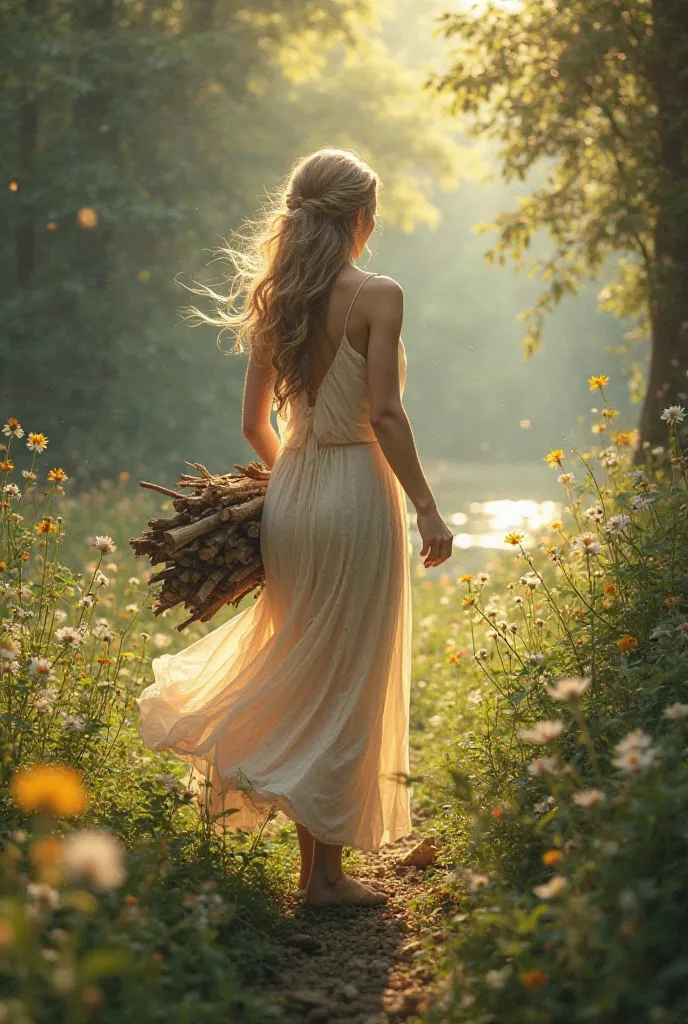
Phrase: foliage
(119, 899)
(135, 137)
(596, 92)
(561, 759)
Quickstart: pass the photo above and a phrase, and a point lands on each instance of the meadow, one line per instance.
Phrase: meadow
(549, 766)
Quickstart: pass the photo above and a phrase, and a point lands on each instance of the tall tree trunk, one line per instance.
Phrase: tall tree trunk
(667, 382)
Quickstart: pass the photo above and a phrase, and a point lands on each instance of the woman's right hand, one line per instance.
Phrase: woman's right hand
(436, 536)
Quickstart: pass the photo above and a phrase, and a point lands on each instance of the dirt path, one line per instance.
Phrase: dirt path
(359, 965)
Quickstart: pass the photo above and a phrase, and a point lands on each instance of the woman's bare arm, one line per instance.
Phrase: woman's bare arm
(389, 420)
(256, 408)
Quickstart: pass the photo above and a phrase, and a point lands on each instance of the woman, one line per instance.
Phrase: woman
(301, 701)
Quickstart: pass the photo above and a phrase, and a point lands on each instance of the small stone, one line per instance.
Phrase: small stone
(423, 855)
(349, 992)
(306, 943)
(309, 998)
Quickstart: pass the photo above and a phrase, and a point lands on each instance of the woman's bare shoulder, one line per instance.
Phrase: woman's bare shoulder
(385, 291)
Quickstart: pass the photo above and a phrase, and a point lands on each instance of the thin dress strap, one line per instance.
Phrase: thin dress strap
(364, 281)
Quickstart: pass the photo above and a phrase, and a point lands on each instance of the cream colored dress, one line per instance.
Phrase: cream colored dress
(301, 700)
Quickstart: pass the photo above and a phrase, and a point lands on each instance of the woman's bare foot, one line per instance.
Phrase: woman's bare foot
(346, 889)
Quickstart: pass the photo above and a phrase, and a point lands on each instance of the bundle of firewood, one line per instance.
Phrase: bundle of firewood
(211, 547)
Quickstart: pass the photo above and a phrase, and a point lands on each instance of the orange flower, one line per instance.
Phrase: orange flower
(497, 812)
(534, 979)
(468, 600)
(627, 643)
(672, 601)
(58, 475)
(6, 466)
(3, 566)
(87, 217)
(45, 854)
(609, 588)
(627, 439)
(48, 787)
(124, 475)
(551, 857)
(25, 556)
(46, 525)
(104, 661)
(556, 525)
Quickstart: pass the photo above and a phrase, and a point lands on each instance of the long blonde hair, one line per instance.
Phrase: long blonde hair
(286, 266)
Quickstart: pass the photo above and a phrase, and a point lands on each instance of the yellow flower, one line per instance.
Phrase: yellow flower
(47, 525)
(454, 658)
(554, 457)
(513, 538)
(58, 475)
(672, 601)
(627, 643)
(599, 428)
(468, 600)
(3, 566)
(6, 466)
(466, 578)
(534, 979)
(627, 439)
(610, 414)
(597, 382)
(551, 857)
(53, 788)
(556, 525)
(25, 556)
(37, 442)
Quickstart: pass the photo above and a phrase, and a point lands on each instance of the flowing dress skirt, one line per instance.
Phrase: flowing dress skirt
(301, 700)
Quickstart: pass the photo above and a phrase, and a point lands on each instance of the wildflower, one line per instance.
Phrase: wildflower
(39, 667)
(672, 601)
(28, 474)
(12, 490)
(70, 635)
(476, 882)
(514, 538)
(104, 543)
(102, 631)
(554, 887)
(466, 578)
(57, 475)
(627, 643)
(518, 601)
(676, 711)
(588, 544)
(674, 414)
(635, 752)
(6, 466)
(534, 979)
(541, 766)
(161, 639)
(37, 442)
(595, 512)
(544, 732)
(551, 857)
(72, 723)
(492, 634)
(554, 457)
(530, 580)
(554, 555)
(47, 525)
(639, 502)
(170, 783)
(618, 524)
(543, 805)
(454, 658)
(569, 689)
(53, 788)
(45, 699)
(588, 797)
(468, 600)
(609, 588)
(497, 979)
(484, 577)
(93, 856)
(556, 525)
(482, 654)
(598, 382)
(12, 428)
(627, 439)
(566, 478)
